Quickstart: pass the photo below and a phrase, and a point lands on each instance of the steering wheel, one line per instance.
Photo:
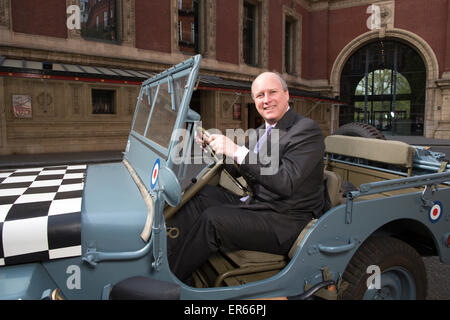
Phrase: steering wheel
(203, 133)
(169, 212)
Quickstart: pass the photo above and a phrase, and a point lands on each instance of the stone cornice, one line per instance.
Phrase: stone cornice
(444, 82)
(318, 5)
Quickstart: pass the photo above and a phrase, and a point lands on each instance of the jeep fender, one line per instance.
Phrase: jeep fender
(333, 241)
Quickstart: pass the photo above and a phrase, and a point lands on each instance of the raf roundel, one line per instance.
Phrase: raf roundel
(155, 173)
(435, 212)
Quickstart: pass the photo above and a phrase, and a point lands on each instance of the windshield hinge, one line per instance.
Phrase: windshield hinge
(172, 93)
(349, 208)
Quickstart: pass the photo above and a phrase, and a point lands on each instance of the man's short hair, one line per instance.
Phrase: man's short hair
(282, 81)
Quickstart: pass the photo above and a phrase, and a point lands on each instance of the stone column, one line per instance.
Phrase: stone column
(127, 30)
(210, 27)
(443, 110)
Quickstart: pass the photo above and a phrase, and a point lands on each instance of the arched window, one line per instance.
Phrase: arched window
(384, 85)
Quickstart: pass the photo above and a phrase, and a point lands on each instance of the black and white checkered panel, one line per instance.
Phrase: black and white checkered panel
(40, 213)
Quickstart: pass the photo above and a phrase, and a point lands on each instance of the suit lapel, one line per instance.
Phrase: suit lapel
(287, 121)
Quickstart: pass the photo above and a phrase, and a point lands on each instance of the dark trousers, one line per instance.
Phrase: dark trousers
(215, 219)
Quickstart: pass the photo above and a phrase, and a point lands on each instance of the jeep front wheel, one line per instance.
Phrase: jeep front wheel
(402, 272)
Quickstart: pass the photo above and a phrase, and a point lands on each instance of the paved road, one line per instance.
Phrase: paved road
(438, 279)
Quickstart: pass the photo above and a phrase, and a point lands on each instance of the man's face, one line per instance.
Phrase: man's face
(270, 99)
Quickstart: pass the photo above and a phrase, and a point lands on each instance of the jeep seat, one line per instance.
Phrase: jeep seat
(385, 151)
(334, 185)
(252, 262)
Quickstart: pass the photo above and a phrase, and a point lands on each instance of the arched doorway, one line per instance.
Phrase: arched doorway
(384, 83)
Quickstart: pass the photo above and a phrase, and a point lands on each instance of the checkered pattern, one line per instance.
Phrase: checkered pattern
(40, 213)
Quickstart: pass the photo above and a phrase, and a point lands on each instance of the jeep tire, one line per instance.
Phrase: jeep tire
(403, 274)
(357, 129)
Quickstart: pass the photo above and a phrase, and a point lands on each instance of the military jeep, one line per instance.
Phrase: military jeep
(109, 240)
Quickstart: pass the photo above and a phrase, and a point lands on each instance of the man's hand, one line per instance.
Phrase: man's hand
(201, 139)
(222, 145)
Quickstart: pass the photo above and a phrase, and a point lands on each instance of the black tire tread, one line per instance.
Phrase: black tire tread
(359, 129)
(372, 252)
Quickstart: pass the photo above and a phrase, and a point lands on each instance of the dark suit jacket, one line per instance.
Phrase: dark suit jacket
(296, 189)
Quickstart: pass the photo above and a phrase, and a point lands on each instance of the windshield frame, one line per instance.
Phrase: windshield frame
(142, 152)
(146, 91)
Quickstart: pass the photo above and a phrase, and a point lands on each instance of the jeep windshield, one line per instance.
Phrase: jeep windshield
(162, 112)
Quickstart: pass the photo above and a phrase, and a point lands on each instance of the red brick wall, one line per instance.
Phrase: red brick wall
(317, 45)
(344, 26)
(275, 35)
(46, 18)
(227, 31)
(447, 45)
(153, 24)
(429, 20)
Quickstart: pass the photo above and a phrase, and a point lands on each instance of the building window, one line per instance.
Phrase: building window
(103, 101)
(193, 32)
(105, 19)
(249, 33)
(180, 31)
(95, 28)
(189, 22)
(289, 45)
(292, 39)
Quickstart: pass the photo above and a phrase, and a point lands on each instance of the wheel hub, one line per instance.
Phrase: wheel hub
(397, 283)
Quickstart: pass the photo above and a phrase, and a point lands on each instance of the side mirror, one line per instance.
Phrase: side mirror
(170, 186)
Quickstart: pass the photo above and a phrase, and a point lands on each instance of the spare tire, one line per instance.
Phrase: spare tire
(358, 129)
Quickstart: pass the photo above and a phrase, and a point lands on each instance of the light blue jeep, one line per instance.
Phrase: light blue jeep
(101, 231)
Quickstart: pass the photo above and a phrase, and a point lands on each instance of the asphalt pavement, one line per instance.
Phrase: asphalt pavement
(54, 159)
(438, 277)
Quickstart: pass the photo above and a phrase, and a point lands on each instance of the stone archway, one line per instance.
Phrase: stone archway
(424, 50)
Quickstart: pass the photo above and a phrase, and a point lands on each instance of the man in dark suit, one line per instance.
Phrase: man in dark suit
(287, 191)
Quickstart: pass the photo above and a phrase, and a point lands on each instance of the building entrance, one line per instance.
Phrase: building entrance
(384, 85)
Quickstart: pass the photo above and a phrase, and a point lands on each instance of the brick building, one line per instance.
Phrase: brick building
(64, 88)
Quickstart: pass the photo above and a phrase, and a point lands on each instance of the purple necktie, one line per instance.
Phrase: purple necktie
(258, 147)
(262, 139)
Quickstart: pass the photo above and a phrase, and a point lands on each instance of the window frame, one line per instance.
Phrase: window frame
(261, 50)
(252, 58)
(112, 15)
(197, 39)
(295, 20)
(114, 101)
